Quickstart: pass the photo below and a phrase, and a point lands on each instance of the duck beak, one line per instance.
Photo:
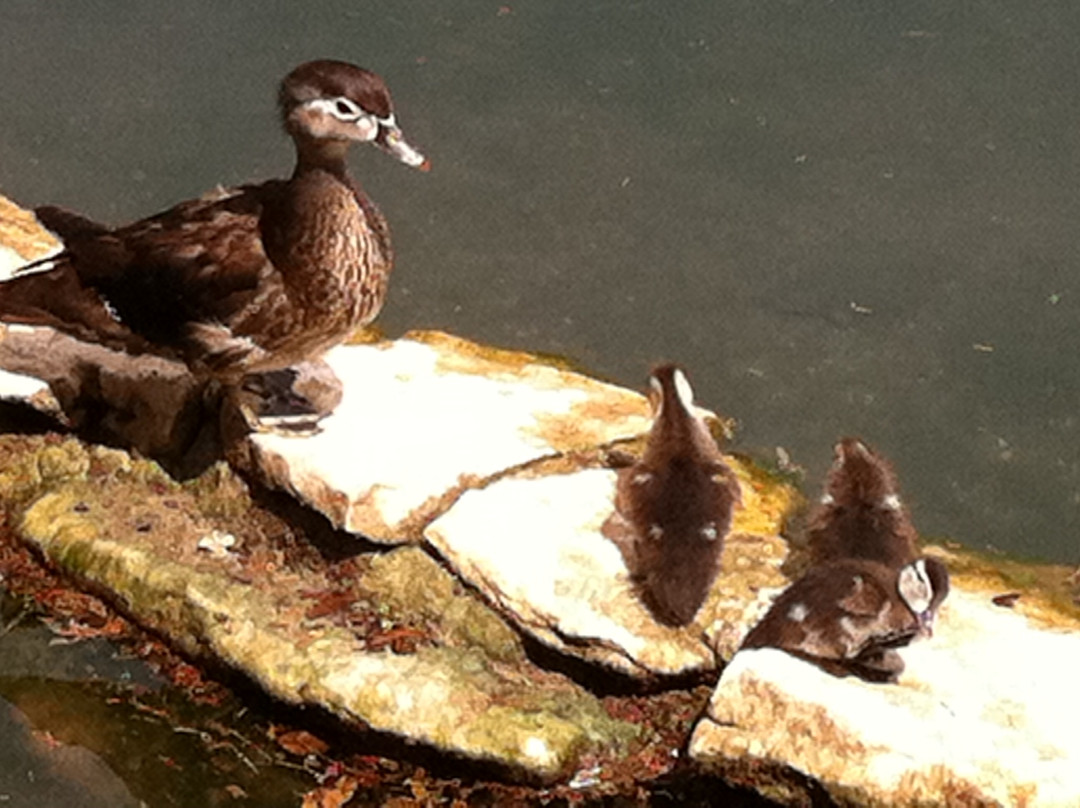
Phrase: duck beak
(391, 141)
(926, 623)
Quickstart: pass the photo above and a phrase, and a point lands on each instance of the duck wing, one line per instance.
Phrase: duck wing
(142, 287)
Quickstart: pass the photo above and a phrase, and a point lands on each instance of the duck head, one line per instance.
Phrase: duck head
(327, 105)
(923, 585)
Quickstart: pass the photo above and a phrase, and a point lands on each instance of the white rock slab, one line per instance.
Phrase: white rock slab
(533, 546)
(22, 238)
(427, 416)
(19, 387)
(985, 711)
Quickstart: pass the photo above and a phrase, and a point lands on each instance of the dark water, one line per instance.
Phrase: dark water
(85, 726)
(841, 217)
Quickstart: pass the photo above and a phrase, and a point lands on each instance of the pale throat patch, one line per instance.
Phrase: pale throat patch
(915, 587)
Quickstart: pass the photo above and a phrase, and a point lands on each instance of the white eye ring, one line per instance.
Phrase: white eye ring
(341, 108)
(344, 109)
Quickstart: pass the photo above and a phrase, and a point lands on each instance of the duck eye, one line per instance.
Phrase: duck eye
(345, 109)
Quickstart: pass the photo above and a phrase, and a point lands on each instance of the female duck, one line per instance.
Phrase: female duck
(246, 280)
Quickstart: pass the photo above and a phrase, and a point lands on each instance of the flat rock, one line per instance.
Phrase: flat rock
(985, 713)
(20, 387)
(428, 416)
(22, 238)
(533, 545)
(460, 682)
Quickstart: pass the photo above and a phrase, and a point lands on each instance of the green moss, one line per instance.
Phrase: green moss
(219, 493)
(410, 581)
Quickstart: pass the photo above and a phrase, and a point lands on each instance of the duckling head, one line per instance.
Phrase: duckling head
(333, 104)
(678, 428)
(860, 476)
(923, 585)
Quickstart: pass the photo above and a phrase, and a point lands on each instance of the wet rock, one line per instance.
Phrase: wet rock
(397, 647)
(425, 418)
(533, 545)
(983, 714)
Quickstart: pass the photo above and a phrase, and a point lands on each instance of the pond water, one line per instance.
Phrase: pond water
(842, 218)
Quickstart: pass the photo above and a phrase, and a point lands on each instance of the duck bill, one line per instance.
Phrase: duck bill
(926, 623)
(391, 141)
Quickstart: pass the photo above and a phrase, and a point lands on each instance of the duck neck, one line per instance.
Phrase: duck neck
(322, 155)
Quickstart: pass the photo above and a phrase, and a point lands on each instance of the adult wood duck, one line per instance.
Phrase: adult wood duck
(673, 507)
(849, 616)
(860, 514)
(245, 280)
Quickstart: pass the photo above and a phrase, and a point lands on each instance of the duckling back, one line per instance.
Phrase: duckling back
(677, 502)
(860, 514)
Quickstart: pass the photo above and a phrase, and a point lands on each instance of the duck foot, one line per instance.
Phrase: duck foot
(292, 401)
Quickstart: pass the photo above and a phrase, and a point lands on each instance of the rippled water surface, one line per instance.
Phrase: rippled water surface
(842, 218)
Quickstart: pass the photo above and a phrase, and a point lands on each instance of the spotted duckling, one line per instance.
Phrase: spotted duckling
(244, 280)
(673, 507)
(848, 616)
(860, 515)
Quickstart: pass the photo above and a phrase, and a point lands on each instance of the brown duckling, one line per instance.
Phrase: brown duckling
(674, 505)
(860, 514)
(245, 280)
(850, 615)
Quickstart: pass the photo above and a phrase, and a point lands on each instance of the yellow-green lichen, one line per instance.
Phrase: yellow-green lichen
(412, 582)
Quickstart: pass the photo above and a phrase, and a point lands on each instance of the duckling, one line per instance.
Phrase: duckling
(245, 280)
(674, 505)
(849, 616)
(860, 514)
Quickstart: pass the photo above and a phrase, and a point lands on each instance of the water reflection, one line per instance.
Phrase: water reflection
(86, 727)
(842, 218)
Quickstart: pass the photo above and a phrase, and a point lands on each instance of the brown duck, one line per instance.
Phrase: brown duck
(850, 615)
(860, 514)
(245, 280)
(674, 505)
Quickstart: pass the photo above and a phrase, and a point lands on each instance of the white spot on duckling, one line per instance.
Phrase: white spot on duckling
(891, 502)
(827, 499)
(641, 478)
(709, 532)
(798, 612)
(656, 532)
